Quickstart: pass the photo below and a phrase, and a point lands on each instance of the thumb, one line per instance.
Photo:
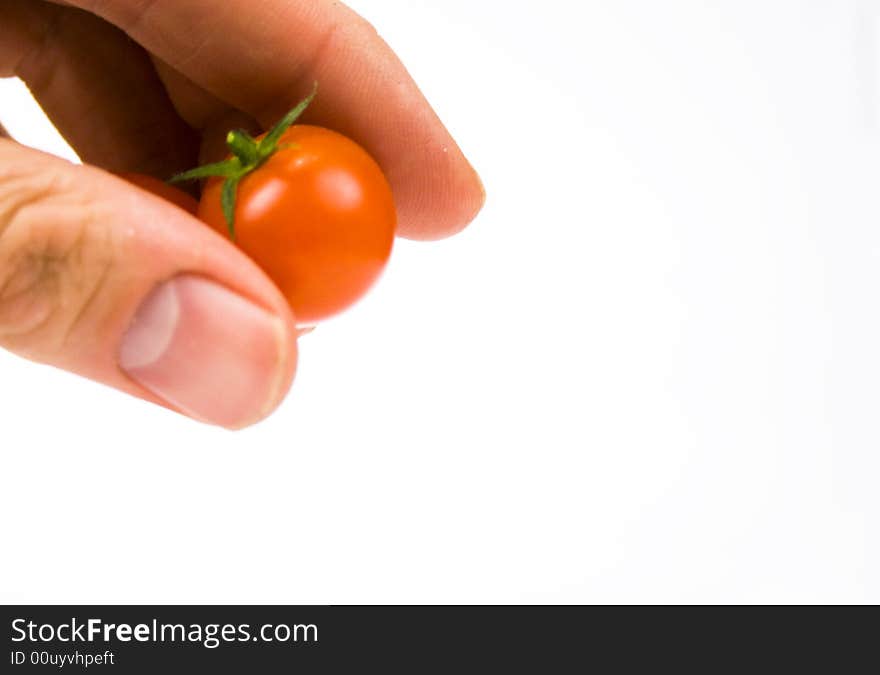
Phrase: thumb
(104, 280)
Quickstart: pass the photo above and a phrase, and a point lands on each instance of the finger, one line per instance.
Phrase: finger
(107, 281)
(3, 132)
(262, 56)
(199, 108)
(99, 88)
(205, 112)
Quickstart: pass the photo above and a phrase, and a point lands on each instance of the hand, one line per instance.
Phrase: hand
(102, 279)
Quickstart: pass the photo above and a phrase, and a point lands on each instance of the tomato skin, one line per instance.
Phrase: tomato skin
(318, 218)
(163, 190)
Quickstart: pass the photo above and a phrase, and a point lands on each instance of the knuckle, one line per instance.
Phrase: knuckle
(54, 260)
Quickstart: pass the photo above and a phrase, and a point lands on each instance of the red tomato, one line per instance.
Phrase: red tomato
(162, 189)
(318, 217)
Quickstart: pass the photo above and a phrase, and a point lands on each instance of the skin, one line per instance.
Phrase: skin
(326, 235)
(161, 189)
(152, 86)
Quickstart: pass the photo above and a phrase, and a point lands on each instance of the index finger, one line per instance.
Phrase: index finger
(262, 56)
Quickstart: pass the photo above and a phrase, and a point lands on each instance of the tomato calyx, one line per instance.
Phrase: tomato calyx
(248, 155)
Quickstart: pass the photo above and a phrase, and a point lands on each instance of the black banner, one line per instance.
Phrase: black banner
(249, 639)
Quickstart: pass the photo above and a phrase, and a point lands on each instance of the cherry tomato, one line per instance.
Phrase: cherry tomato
(318, 217)
(162, 189)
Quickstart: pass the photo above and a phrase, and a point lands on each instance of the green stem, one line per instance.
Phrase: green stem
(243, 146)
(248, 155)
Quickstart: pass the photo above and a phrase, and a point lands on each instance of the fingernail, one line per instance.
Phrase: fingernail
(483, 195)
(206, 351)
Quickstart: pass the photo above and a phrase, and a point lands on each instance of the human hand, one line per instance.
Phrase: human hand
(110, 282)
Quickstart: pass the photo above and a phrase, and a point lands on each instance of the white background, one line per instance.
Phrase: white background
(649, 372)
